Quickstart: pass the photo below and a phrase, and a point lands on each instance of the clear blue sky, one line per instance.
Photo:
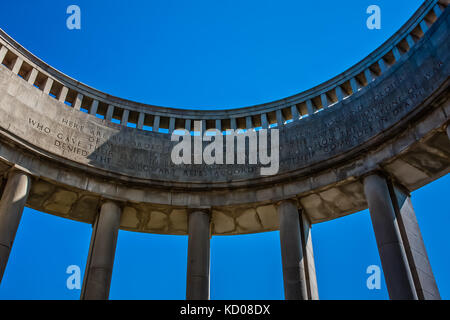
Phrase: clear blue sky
(209, 54)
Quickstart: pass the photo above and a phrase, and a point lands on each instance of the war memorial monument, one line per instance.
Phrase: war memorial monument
(365, 139)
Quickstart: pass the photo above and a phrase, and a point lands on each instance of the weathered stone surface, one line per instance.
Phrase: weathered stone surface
(222, 223)
(410, 174)
(268, 216)
(248, 220)
(158, 221)
(178, 220)
(85, 208)
(129, 218)
(314, 206)
(3, 168)
(61, 201)
(335, 197)
(40, 191)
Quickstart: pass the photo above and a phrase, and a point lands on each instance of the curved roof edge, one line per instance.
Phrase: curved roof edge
(316, 91)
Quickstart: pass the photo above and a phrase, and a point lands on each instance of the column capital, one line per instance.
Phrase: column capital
(109, 203)
(200, 209)
(15, 170)
(295, 201)
(377, 172)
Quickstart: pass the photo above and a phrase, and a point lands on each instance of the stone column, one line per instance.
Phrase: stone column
(390, 246)
(99, 267)
(11, 207)
(294, 275)
(310, 267)
(422, 274)
(197, 283)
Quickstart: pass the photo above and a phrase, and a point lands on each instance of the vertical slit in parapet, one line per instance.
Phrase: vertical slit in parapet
(362, 80)
(210, 124)
(241, 123)
(40, 81)
(25, 71)
(226, 124)
(332, 97)
(102, 109)
(389, 58)
(272, 118)
(164, 123)
(256, 120)
(133, 118)
(287, 114)
(417, 33)
(86, 104)
(117, 114)
(430, 18)
(70, 98)
(346, 89)
(55, 89)
(317, 103)
(403, 46)
(302, 109)
(9, 60)
(180, 124)
(375, 69)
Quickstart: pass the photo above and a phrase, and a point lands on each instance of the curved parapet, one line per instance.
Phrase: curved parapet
(82, 147)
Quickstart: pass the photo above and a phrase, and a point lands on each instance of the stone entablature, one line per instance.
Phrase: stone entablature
(294, 108)
(395, 123)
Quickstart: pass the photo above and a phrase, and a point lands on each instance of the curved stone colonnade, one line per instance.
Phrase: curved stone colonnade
(365, 138)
